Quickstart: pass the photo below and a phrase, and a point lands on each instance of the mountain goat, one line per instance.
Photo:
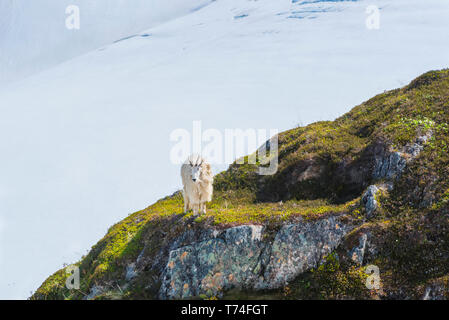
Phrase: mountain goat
(197, 180)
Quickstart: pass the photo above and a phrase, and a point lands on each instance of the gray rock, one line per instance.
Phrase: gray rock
(435, 292)
(130, 272)
(369, 200)
(358, 253)
(213, 265)
(299, 247)
(94, 292)
(240, 258)
(389, 166)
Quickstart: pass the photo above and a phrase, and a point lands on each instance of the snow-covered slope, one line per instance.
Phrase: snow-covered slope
(88, 140)
(33, 34)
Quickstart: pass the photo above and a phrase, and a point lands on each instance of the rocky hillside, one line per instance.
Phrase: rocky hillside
(368, 189)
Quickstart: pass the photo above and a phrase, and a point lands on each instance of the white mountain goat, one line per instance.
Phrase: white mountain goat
(197, 180)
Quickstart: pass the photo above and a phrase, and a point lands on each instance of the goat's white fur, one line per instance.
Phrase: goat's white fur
(196, 193)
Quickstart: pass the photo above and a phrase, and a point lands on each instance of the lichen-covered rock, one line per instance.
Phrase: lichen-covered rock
(358, 252)
(213, 265)
(435, 291)
(298, 247)
(95, 291)
(389, 166)
(239, 257)
(416, 147)
(130, 271)
(369, 200)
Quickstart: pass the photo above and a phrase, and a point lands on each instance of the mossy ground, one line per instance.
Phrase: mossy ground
(323, 168)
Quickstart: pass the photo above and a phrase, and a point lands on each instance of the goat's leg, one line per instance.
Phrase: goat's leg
(196, 209)
(186, 202)
(203, 207)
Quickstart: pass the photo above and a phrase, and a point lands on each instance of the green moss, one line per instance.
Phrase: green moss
(330, 281)
(54, 287)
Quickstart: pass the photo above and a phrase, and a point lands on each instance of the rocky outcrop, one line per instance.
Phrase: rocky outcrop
(357, 253)
(94, 292)
(390, 165)
(436, 291)
(242, 258)
(210, 266)
(299, 247)
(369, 200)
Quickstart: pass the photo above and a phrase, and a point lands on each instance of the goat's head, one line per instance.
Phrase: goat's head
(196, 166)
